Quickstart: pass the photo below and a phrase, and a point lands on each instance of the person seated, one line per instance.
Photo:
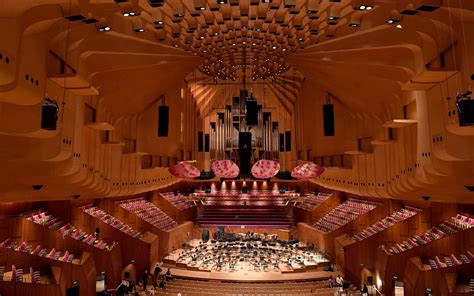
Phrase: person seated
(339, 280)
(162, 283)
(330, 282)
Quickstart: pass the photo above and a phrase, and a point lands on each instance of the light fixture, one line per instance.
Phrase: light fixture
(104, 28)
(139, 30)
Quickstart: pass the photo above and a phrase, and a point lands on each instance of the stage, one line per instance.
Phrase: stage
(247, 261)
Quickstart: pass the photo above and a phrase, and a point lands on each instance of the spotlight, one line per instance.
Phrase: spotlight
(131, 13)
(104, 28)
(392, 21)
(139, 30)
(76, 196)
(221, 1)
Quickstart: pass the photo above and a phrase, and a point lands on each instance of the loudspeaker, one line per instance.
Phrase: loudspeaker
(288, 141)
(245, 152)
(200, 142)
(328, 120)
(466, 112)
(163, 118)
(49, 117)
(282, 142)
(207, 143)
(252, 112)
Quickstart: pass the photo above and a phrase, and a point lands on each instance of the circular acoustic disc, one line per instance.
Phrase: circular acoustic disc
(265, 169)
(184, 170)
(226, 169)
(307, 170)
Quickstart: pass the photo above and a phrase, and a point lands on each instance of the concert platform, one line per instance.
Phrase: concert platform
(247, 261)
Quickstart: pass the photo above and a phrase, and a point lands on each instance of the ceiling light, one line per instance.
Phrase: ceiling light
(399, 26)
(139, 30)
(104, 28)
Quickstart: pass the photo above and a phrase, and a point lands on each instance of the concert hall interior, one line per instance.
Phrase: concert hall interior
(236, 147)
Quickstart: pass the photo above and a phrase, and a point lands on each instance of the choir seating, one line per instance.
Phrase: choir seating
(251, 198)
(261, 217)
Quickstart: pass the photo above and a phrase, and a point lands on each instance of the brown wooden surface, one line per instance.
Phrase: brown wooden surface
(62, 273)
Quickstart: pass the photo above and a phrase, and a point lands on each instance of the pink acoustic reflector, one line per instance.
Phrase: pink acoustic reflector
(184, 170)
(307, 171)
(264, 169)
(225, 169)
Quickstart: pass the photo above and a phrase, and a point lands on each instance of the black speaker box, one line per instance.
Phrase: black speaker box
(328, 120)
(466, 112)
(282, 142)
(252, 112)
(163, 119)
(200, 141)
(288, 141)
(49, 117)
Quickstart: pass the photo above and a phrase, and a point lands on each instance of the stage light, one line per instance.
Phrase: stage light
(130, 13)
(104, 28)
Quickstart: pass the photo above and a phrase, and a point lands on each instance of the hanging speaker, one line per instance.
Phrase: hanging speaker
(282, 142)
(252, 112)
(466, 112)
(49, 117)
(200, 141)
(163, 118)
(328, 120)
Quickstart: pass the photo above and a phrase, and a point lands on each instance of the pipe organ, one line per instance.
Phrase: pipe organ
(233, 119)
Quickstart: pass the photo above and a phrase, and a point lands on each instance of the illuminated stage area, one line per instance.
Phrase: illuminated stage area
(244, 257)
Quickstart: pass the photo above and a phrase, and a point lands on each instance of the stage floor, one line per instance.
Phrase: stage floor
(310, 268)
